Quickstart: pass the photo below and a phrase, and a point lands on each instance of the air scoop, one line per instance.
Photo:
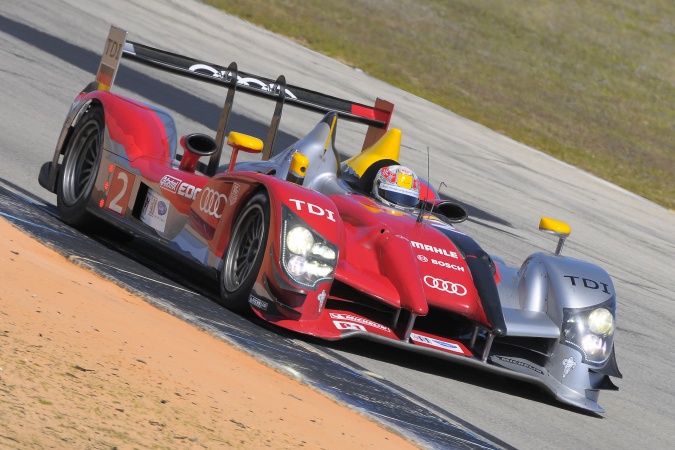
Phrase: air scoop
(195, 146)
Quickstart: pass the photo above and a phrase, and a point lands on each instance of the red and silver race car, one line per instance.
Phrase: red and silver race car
(332, 248)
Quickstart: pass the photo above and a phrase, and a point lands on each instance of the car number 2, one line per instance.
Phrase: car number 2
(119, 191)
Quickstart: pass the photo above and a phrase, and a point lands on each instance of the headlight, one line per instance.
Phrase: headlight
(601, 321)
(306, 256)
(590, 330)
(299, 240)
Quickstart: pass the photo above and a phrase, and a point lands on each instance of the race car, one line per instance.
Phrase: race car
(324, 245)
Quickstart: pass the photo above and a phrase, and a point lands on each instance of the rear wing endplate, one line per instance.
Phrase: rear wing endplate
(376, 117)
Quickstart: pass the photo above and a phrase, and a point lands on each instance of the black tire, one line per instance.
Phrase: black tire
(80, 167)
(245, 253)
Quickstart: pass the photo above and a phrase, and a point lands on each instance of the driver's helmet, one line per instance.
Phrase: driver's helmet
(397, 186)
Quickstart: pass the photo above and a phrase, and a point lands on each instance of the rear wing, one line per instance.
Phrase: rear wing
(377, 117)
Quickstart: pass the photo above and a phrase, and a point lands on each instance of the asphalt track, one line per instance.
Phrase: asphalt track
(50, 51)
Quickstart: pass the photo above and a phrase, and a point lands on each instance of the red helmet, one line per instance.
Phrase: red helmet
(397, 186)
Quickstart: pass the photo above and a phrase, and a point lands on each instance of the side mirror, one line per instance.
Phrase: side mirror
(556, 228)
(244, 143)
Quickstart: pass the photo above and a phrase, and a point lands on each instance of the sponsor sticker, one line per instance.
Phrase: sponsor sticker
(432, 249)
(155, 209)
(568, 365)
(517, 362)
(188, 191)
(436, 343)
(241, 81)
(170, 183)
(340, 325)
(234, 194)
(178, 186)
(260, 304)
(587, 283)
(360, 320)
(212, 202)
(321, 298)
(445, 286)
(311, 208)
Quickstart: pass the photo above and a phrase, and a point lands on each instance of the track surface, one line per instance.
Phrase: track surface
(50, 51)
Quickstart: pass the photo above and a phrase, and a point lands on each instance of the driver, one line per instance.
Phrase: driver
(397, 186)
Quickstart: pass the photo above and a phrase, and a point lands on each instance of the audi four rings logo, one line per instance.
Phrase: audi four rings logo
(445, 286)
(212, 202)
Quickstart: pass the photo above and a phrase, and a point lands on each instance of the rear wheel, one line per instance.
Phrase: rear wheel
(245, 253)
(80, 167)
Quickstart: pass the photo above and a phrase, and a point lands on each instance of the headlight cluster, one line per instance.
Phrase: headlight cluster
(590, 330)
(306, 256)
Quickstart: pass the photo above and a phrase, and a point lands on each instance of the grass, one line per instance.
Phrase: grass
(590, 83)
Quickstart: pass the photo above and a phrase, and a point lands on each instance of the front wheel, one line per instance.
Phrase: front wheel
(245, 253)
(80, 168)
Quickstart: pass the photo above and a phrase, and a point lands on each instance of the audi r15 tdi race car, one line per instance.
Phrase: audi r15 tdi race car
(323, 245)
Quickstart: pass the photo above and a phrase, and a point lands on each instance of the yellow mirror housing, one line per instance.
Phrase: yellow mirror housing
(244, 142)
(555, 227)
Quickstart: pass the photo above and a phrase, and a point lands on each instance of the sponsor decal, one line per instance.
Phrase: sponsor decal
(162, 209)
(431, 248)
(248, 81)
(212, 202)
(588, 283)
(445, 286)
(517, 362)
(361, 320)
(260, 304)
(234, 194)
(436, 343)
(321, 298)
(441, 263)
(188, 191)
(448, 265)
(178, 186)
(152, 213)
(170, 183)
(348, 326)
(568, 366)
(311, 208)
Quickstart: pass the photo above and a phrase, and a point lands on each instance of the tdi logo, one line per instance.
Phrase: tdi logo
(588, 284)
(301, 205)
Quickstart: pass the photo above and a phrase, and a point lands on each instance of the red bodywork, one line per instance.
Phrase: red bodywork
(392, 261)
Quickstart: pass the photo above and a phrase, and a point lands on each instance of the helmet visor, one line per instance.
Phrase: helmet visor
(400, 197)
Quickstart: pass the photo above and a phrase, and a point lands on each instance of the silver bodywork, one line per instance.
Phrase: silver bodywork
(534, 298)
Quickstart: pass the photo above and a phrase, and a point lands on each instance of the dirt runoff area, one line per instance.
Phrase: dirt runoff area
(85, 364)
